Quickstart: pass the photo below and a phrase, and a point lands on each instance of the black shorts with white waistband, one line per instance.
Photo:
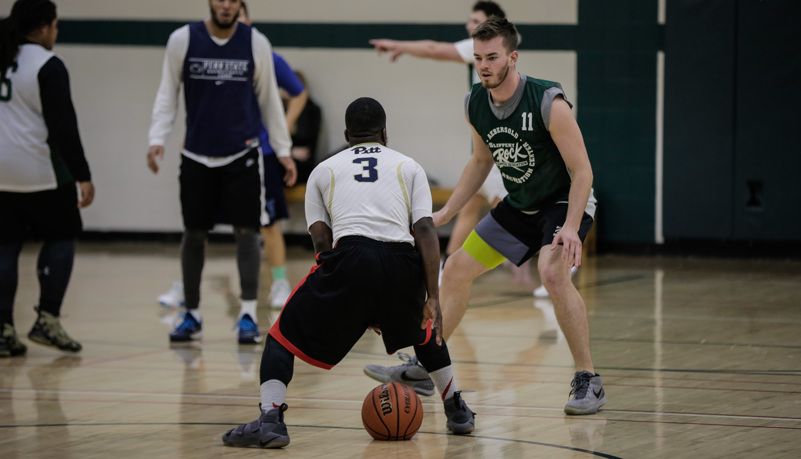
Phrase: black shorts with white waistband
(233, 190)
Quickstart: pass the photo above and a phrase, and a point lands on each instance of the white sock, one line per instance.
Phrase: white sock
(248, 307)
(195, 313)
(273, 394)
(443, 379)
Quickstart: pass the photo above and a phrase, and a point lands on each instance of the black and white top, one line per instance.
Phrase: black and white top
(195, 55)
(40, 147)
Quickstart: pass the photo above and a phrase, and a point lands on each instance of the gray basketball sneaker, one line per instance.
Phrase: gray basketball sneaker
(461, 420)
(589, 394)
(269, 431)
(410, 373)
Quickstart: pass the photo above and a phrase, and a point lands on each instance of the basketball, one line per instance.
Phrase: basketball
(392, 411)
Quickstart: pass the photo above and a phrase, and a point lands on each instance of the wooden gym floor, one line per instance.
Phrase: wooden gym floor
(699, 357)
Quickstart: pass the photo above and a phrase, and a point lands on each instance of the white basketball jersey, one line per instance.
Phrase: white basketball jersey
(368, 190)
(25, 163)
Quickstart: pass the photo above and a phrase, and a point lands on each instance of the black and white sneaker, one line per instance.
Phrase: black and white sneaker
(589, 394)
(410, 373)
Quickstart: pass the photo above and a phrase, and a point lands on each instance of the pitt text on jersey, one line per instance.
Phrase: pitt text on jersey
(362, 150)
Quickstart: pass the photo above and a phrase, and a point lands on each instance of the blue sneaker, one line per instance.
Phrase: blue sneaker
(190, 329)
(248, 330)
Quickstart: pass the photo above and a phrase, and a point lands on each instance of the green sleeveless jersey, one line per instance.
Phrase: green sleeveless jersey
(533, 171)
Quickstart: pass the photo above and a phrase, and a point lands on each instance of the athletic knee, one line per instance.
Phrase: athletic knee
(246, 235)
(245, 231)
(554, 275)
(194, 237)
(461, 268)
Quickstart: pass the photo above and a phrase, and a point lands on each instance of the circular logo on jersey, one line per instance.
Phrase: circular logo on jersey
(513, 155)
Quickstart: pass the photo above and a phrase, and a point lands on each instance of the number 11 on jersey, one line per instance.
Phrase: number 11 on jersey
(528, 116)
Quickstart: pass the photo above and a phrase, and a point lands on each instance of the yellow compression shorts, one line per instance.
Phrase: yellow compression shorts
(482, 252)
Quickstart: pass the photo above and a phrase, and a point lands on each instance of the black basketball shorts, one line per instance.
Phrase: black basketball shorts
(359, 283)
(234, 190)
(518, 236)
(49, 215)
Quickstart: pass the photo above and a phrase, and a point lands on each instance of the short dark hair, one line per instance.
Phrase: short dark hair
(26, 15)
(244, 8)
(490, 9)
(365, 117)
(497, 27)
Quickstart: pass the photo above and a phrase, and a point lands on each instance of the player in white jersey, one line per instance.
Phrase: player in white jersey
(41, 160)
(368, 209)
(381, 214)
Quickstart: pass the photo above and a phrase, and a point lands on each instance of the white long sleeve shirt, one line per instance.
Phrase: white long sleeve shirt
(264, 86)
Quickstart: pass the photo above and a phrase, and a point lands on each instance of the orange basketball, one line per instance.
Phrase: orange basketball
(392, 411)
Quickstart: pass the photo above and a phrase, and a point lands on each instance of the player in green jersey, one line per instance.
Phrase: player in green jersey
(525, 126)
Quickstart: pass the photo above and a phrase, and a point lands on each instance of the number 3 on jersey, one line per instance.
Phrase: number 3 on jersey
(369, 172)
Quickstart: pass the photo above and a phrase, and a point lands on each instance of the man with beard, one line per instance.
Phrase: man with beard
(525, 126)
(492, 191)
(229, 83)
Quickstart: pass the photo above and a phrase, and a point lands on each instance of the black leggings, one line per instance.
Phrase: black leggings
(54, 268)
(276, 362)
(431, 356)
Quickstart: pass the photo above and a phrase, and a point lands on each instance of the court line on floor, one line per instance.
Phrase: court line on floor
(308, 426)
(359, 402)
(595, 339)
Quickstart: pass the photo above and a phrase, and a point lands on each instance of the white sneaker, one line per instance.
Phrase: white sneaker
(541, 292)
(174, 297)
(279, 293)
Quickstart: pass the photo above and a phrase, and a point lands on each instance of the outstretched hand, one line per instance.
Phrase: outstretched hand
(383, 45)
